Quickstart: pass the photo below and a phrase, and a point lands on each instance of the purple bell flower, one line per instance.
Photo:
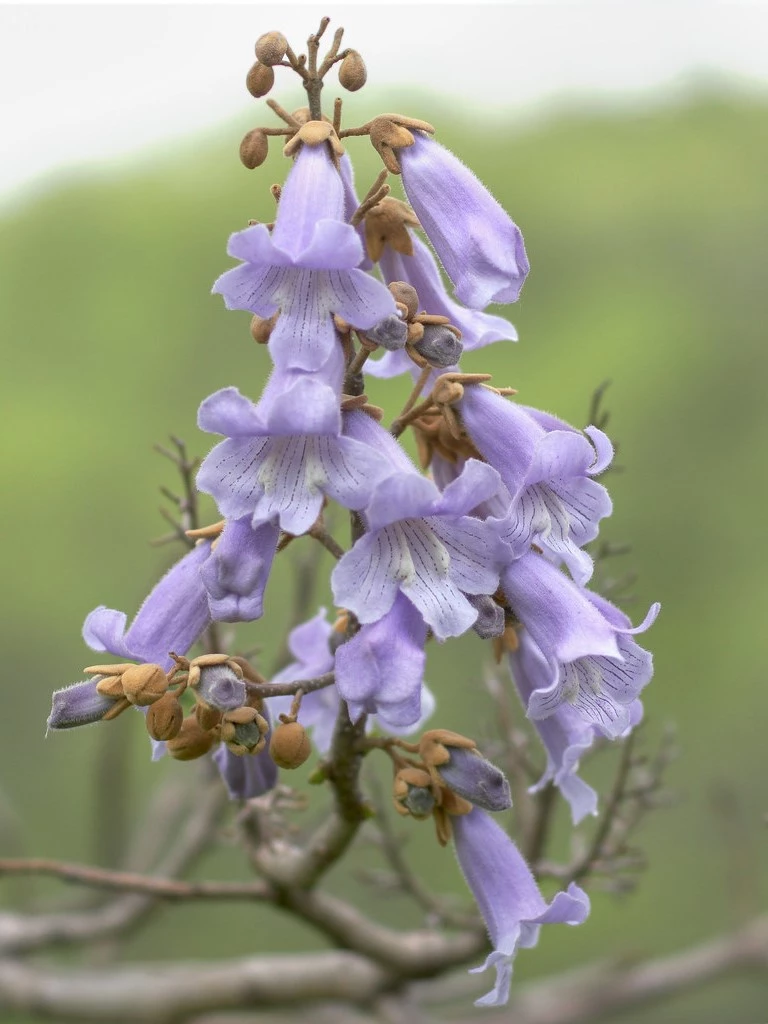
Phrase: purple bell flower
(172, 617)
(424, 544)
(237, 571)
(556, 503)
(508, 896)
(282, 457)
(421, 271)
(595, 666)
(306, 268)
(479, 245)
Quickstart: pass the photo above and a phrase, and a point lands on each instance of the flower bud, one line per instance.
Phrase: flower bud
(271, 48)
(221, 687)
(390, 333)
(79, 704)
(457, 763)
(289, 746)
(244, 736)
(407, 295)
(352, 73)
(207, 716)
(260, 80)
(191, 741)
(439, 346)
(164, 718)
(412, 793)
(261, 328)
(254, 149)
(144, 684)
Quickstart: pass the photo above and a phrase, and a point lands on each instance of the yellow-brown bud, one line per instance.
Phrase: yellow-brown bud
(407, 295)
(271, 48)
(352, 73)
(144, 684)
(254, 149)
(260, 80)
(207, 716)
(261, 328)
(164, 718)
(191, 741)
(289, 746)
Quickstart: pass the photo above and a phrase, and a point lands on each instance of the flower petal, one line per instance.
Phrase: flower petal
(366, 579)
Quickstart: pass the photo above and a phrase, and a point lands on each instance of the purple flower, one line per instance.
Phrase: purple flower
(424, 544)
(79, 704)
(247, 775)
(420, 270)
(555, 502)
(594, 664)
(364, 666)
(236, 573)
(282, 456)
(306, 268)
(380, 670)
(171, 618)
(565, 735)
(351, 205)
(480, 247)
(508, 896)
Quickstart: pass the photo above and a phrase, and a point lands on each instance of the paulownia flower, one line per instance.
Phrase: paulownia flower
(508, 896)
(479, 245)
(306, 267)
(556, 503)
(595, 665)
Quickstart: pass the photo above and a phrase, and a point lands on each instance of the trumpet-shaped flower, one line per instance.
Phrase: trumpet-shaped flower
(280, 461)
(306, 267)
(424, 544)
(595, 665)
(556, 503)
(479, 245)
(237, 571)
(508, 896)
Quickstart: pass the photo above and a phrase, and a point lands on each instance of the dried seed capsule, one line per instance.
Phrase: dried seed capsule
(439, 346)
(144, 684)
(289, 746)
(260, 80)
(352, 73)
(164, 718)
(271, 48)
(191, 741)
(254, 149)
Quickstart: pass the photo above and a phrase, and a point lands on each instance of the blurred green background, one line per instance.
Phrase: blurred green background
(646, 230)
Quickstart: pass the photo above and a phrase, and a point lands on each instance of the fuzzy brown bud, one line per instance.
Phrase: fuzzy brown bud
(260, 80)
(207, 716)
(289, 746)
(254, 149)
(191, 742)
(352, 73)
(407, 295)
(271, 48)
(144, 684)
(164, 718)
(261, 328)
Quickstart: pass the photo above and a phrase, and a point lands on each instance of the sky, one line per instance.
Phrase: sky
(88, 83)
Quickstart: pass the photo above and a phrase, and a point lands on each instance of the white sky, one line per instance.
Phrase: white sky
(89, 82)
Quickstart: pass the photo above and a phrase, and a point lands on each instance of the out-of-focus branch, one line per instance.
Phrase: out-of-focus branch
(21, 933)
(180, 992)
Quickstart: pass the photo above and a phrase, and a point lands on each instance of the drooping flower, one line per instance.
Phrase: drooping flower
(508, 896)
(479, 245)
(420, 270)
(364, 667)
(282, 457)
(306, 268)
(595, 665)
(425, 544)
(237, 571)
(172, 617)
(555, 502)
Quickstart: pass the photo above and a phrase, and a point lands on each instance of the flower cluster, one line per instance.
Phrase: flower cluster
(494, 539)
